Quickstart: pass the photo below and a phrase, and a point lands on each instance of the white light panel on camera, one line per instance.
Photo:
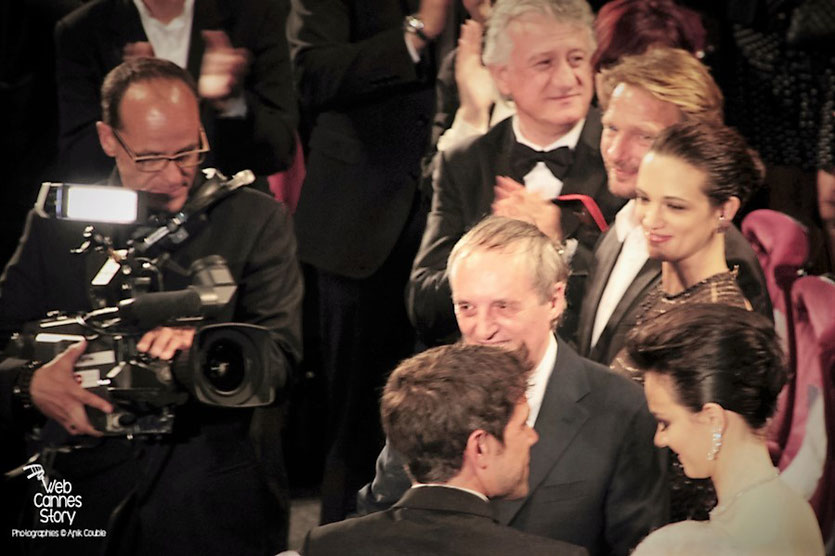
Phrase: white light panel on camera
(102, 204)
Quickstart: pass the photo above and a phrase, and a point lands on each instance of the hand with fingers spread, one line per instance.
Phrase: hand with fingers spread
(223, 69)
(513, 200)
(165, 341)
(475, 86)
(58, 395)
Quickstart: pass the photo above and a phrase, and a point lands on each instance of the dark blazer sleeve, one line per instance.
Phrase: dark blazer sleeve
(81, 62)
(332, 68)
(428, 294)
(270, 289)
(389, 484)
(446, 106)
(637, 501)
(262, 141)
(750, 277)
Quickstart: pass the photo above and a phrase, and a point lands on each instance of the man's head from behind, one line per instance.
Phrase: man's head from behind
(151, 127)
(458, 415)
(539, 53)
(643, 95)
(508, 285)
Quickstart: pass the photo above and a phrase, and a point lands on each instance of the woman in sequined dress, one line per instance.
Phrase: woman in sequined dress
(712, 376)
(690, 185)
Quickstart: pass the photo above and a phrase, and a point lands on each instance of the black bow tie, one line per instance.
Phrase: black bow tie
(525, 158)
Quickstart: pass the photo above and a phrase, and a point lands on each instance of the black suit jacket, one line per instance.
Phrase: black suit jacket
(371, 108)
(430, 520)
(463, 193)
(596, 480)
(89, 44)
(738, 253)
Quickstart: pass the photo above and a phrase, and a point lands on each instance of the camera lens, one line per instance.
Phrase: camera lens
(225, 367)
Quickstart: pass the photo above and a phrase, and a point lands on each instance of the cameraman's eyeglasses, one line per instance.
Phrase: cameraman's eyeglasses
(155, 163)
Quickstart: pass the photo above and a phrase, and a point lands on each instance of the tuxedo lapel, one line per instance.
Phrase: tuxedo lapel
(649, 274)
(586, 175)
(493, 154)
(125, 27)
(559, 421)
(502, 151)
(606, 256)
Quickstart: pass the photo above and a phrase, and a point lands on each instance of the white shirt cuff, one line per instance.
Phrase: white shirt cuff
(411, 48)
(460, 131)
(234, 107)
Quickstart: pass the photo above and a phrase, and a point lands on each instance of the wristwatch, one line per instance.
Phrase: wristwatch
(23, 383)
(414, 24)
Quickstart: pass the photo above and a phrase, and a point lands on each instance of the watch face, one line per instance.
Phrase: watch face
(415, 22)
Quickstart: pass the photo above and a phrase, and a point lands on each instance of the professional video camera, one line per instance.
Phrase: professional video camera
(228, 365)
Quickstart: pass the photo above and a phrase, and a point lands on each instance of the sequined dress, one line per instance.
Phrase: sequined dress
(689, 498)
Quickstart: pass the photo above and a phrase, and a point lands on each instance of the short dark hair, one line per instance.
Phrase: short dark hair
(433, 401)
(714, 353)
(135, 71)
(733, 169)
(625, 27)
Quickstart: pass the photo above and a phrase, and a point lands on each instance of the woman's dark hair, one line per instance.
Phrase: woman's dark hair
(714, 353)
(626, 27)
(733, 169)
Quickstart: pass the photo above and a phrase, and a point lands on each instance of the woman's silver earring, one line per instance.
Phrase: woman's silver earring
(715, 446)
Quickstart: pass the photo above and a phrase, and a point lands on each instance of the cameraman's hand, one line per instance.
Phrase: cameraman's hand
(163, 342)
(57, 394)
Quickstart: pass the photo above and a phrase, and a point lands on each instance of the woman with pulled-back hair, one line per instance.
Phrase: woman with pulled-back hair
(690, 185)
(712, 374)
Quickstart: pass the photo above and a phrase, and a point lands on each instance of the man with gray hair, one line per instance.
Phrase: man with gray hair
(596, 480)
(538, 52)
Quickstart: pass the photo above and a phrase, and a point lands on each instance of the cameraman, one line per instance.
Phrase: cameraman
(208, 487)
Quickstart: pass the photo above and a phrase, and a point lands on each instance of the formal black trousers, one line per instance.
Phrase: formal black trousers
(364, 332)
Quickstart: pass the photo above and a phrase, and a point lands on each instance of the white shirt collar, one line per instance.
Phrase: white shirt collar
(175, 24)
(539, 380)
(569, 140)
(473, 492)
(626, 220)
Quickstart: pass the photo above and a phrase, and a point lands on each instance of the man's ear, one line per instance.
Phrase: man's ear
(556, 305)
(501, 78)
(478, 448)
(106, 138)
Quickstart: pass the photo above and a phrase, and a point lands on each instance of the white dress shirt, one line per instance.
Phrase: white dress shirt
(462, 130)
(632, 257)
(540, 179)
(539, 380)
(170, 40)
